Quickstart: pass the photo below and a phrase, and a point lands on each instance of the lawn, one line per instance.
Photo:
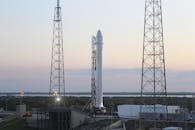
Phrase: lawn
(16, 125)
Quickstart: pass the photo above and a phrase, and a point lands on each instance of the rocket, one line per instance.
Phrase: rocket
(99, 93)
(96, 75)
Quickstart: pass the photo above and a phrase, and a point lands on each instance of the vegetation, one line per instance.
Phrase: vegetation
(41, 102)
(15, 125)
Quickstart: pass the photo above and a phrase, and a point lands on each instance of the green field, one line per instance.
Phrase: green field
(15, 125)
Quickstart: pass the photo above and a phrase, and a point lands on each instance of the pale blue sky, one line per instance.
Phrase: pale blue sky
(26, 34)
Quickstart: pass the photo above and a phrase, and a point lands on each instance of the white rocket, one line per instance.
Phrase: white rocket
(97, 94)
(99, 43)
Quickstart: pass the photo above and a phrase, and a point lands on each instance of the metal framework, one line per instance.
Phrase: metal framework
(93, 69)
(57, 81)
(153, 81)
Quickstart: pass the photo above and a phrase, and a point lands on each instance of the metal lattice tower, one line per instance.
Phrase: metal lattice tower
(57, 81)
(153, 81)
(93, 79)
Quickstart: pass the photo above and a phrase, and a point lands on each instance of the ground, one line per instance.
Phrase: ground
(15, 124)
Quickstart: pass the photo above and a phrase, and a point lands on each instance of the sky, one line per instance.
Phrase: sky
(26, 35)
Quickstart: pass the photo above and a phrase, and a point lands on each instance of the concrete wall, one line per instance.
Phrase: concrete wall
(77, 119)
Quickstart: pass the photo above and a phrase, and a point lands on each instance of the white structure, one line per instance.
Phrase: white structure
(128, 111)
(132, 111)
(158, 108)
(96, 72)
(174, 109)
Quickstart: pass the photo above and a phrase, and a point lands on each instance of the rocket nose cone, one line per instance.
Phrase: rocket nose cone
(99, 33)
(99, 36)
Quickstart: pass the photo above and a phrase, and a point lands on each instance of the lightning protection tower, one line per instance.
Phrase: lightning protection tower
(57, 81)
(153, 81)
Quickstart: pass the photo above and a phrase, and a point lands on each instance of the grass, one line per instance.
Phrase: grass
(16, 125)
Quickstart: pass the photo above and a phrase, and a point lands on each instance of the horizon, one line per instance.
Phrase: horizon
(78, 80)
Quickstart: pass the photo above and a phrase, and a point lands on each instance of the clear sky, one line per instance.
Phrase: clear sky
(26, 33)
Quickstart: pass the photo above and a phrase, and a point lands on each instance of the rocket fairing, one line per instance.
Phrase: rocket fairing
(97, 94)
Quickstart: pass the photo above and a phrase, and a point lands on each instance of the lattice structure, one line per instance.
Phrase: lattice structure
(153, 81)
(93, 77)
(57, 81)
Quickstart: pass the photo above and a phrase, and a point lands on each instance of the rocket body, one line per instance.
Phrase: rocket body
(99, 93)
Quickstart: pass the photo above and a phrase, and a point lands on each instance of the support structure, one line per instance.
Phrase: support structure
(93, 77)
(153, 81)
(57, 81)
(96, 72)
